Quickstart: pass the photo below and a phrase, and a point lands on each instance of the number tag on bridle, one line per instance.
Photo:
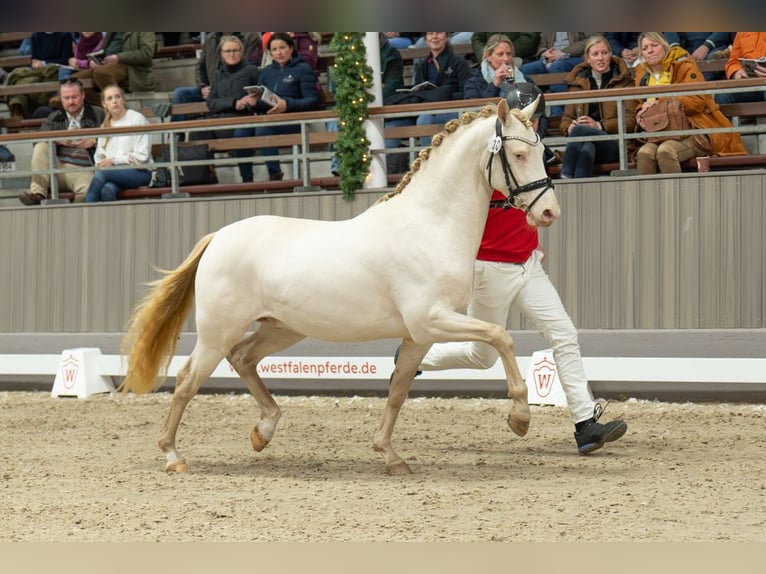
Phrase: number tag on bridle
(494, 144)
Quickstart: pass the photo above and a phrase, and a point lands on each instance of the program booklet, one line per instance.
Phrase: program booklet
(263, 93)
(417, 87)
(749, 64)
(97, 57)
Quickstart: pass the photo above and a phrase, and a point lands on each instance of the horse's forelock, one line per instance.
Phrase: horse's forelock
(517, 113)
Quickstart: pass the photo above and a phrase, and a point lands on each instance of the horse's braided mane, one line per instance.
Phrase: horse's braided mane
(450, 127)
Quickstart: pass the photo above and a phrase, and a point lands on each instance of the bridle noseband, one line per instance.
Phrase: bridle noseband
(497, 147)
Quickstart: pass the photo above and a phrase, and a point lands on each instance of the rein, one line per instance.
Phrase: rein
(496, 147)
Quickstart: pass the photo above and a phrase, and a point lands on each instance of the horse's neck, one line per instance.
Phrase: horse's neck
(454, 175)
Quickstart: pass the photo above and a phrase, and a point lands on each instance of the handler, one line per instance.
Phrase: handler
(509, 272)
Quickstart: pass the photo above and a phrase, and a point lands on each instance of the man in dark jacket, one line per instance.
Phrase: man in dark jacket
(70, 151)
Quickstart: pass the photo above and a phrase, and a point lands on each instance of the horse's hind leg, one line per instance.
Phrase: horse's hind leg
(410, 356)
(200, 365)
(244, 358)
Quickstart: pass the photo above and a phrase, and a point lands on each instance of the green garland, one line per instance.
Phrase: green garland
(352, 78)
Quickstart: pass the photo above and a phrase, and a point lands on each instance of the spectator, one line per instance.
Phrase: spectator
(508, 272)
(228, 98)
(295, 85)
(600, 70)
(701, 46)
(448, 72)
(557, 52)
(130, 150)
(306, 46)
(70, 151)
(524, 44)
(49, 51)
(745, 45)
(663, 65)
(497, 71)
(625, 45)
(209, 62)
(127, 62)
(498, 74)
(86, 43)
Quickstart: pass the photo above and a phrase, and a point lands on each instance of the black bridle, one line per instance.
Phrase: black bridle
(496, 147)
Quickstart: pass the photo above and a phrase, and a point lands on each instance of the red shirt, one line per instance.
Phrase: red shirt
(508, 237)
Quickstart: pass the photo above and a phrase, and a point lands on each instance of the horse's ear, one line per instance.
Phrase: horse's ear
(502, 110)
(529, 110)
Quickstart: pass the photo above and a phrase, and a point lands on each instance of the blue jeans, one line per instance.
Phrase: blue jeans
(579, 157)
(740, 97)
(185, 95)
(540, 67)
(107, 183)
(273, 166)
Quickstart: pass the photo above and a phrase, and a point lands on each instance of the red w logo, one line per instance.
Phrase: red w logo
(544, 373)
(69, 368)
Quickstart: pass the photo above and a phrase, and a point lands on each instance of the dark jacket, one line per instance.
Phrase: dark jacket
(210, 60)
(227, 88)
(580, 78)
(391, 69)
(52, 47)
(453, 73)
(92, 117)
(295, 83)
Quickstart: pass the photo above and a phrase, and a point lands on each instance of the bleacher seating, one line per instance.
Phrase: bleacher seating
(319, 139)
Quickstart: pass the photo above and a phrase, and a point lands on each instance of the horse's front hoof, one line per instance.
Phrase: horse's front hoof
(177, 467)
(519, 426)
(398, 468)
(259, 443)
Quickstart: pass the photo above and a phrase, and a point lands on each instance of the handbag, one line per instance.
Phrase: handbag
(187, 174)
(666, 115)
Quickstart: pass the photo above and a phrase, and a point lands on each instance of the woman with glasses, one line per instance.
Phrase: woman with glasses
(228, 98)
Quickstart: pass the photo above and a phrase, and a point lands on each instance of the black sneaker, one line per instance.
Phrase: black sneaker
(593, 434)
(396, 358)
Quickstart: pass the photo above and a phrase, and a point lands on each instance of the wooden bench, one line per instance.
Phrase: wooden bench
(9, 63)
(177, 52)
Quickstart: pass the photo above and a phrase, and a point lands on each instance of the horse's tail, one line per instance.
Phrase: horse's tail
(156, 323)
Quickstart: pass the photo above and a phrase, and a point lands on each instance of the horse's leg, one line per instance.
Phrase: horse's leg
(244, 358)
(410, 356)
(449, 325)
(200, 365)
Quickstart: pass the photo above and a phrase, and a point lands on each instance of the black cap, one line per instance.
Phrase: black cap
(522, 94)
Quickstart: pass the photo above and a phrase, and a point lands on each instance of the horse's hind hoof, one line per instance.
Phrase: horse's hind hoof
(398, 468)
(259, 443)
(177, 467)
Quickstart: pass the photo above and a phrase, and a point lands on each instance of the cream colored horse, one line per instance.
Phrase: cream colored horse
(402, 268)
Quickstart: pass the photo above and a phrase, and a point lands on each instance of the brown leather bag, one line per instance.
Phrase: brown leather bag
(666, 115)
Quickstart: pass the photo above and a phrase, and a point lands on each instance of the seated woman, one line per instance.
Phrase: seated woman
(296, 87)
(662, 65)
(599, 70)
(498, 75)
(228, 98)
(443, 68)
(497, 71)
(130, 150)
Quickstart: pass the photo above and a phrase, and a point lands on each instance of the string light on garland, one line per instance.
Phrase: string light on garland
(352, 78)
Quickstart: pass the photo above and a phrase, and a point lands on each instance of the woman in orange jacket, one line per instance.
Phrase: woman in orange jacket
(663, 65)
